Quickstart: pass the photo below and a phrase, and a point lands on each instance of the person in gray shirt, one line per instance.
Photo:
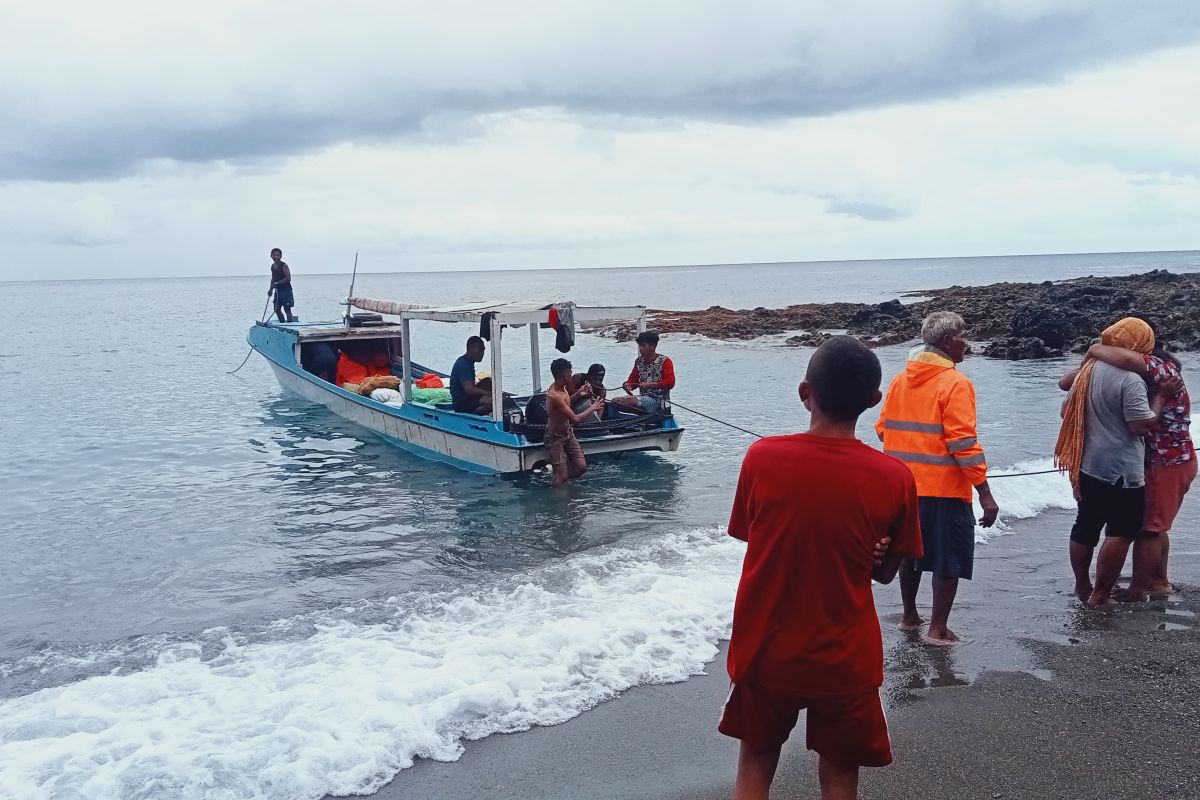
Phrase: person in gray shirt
(1117, 413)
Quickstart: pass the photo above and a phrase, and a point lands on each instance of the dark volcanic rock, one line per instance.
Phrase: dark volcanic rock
(1016, 348)
(1024, 320)
(806, 340)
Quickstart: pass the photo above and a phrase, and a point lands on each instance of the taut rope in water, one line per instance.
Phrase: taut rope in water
(760, 436)
(714, 419)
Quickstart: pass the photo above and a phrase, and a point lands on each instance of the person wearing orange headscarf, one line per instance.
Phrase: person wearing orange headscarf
(1100, 446)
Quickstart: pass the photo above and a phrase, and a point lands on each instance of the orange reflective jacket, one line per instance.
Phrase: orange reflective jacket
(928, 422)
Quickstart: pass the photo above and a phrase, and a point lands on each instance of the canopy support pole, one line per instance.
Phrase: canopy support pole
(535, 356)
(406, 358)
(497, 387)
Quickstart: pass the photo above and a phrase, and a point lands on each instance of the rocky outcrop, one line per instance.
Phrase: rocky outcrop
(1016, 348)
(1020, 320)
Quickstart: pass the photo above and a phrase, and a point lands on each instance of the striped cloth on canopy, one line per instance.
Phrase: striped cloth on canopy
(382, 306)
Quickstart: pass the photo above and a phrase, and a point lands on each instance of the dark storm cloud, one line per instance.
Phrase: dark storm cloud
(746, 70)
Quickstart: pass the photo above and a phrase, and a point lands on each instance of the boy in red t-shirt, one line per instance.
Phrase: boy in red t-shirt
(813, 509)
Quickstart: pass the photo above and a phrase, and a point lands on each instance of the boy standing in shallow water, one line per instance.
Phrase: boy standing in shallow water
(813, 509)
(566, 455)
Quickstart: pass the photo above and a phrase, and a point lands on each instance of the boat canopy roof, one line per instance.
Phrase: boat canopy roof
(520, 312)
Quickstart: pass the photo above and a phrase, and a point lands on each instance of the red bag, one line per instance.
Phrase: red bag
(430, 381)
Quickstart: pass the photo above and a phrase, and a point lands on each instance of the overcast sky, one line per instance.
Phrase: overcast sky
(188, 139)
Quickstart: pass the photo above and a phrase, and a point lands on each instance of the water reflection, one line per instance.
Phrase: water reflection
(912, 667)
(348, 507)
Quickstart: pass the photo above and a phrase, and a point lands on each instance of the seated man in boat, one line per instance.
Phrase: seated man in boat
(586, 388)
(653, 376)
(470, 396)
(565, 453)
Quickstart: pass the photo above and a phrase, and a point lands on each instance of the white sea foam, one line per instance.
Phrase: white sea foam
(339, 702)
(1024, 496)
(374, 686)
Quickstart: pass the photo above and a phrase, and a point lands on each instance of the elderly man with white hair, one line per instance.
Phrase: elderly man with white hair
(928, 422)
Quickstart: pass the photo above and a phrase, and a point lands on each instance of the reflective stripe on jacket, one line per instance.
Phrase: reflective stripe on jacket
(928, 422)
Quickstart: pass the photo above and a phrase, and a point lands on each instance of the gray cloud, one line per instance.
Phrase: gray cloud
(69, 114)
(865, 209)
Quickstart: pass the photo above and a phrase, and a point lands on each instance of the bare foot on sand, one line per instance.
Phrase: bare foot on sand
(1162, 588)
(941, 638)
(1084, 591)
(911, 623)
(1100, 600)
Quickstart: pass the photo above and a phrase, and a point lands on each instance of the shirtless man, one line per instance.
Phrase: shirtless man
(565, 453)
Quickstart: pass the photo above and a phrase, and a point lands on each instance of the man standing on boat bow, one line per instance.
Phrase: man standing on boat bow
(281, 285)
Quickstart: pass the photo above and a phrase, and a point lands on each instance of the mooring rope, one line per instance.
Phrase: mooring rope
(760, 436)
(714, 419)
(266, 310)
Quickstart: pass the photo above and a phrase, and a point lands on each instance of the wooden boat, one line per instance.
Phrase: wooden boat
(503, 443)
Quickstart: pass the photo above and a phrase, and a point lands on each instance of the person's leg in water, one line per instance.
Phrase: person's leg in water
(574, 454)
(1147, 558)
(558, 460)
(1127, 513)
(1108, 568)
(1094, 510)
(1159, 582)
(944, 591)
(756, 770)
(910, 582)
(837, 782)
(1081, 565)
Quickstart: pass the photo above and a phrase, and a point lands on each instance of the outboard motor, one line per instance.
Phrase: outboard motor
(535, 414)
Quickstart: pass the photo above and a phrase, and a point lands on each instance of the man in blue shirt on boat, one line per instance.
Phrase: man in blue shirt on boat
(470, 396)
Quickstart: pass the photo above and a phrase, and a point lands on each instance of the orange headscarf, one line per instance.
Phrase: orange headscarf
(1132, 334)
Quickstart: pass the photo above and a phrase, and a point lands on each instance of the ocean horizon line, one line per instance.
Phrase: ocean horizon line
(625, 268)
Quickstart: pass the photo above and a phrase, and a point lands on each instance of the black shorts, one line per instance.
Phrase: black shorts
(948, 537)
(1104, 504)
(284, 297)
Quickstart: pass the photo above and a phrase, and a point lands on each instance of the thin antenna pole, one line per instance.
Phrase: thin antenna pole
(353, 276)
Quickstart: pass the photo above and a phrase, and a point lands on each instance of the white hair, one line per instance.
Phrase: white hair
(940, 324)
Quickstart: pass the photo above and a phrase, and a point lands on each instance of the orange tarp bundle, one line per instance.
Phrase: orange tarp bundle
(350, 371)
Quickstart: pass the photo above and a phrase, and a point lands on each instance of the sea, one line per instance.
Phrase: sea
(210, 588)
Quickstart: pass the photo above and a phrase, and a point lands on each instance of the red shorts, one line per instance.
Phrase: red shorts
(849, 731)
(1165, 488)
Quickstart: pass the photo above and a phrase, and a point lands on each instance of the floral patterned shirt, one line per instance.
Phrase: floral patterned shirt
(1171, 444)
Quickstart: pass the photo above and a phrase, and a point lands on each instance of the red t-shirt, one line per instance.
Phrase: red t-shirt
(811, 509)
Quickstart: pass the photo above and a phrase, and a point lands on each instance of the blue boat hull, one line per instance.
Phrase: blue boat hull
(466, 441)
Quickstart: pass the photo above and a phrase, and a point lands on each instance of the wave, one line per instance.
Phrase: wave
(367, 689)
(1024, 496)
(338, 702)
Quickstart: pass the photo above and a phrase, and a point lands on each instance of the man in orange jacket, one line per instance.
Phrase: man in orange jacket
(928, 422)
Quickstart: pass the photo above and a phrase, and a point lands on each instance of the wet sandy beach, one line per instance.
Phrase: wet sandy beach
(1046, 699)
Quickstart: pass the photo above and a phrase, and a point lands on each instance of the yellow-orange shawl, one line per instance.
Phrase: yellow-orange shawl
(1130, 333)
